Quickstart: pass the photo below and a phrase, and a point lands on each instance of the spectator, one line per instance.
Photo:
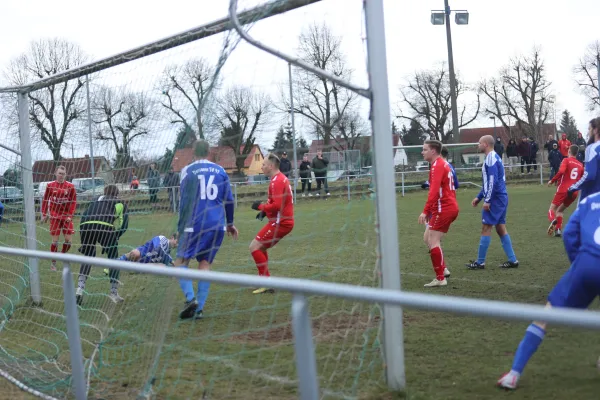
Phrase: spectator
(533, 150)
(580, 140)
(512, 153)
(135, 183)
(554, 158)
(499, 147)
(171, 182)
(285, 166)
(523, 149)
(305, 175)
(581, 154)
(153, 179)
(549, 145)
(563, 145)
(319, 166)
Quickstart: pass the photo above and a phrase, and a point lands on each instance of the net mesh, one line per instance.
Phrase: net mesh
(143, 117)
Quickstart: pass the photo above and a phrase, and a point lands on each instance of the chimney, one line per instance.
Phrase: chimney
(87, 156)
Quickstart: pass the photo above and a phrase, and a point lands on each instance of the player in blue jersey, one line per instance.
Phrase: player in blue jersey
(495, 203)
(444, 155)
(577, 288)
(155, 251)
(205, 214)
(590, 181)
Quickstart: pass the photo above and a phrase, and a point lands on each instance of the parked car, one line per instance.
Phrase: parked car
(257, 179)
(422, 166)
(85, 184)
(10, 194)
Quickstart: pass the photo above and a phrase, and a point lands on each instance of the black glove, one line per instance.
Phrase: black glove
(570, 192)
(256, 204)
(424, 186)
(261, 215)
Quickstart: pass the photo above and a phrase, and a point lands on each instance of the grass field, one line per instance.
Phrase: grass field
(244, 350)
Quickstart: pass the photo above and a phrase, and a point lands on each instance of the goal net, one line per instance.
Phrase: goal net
(132, 125)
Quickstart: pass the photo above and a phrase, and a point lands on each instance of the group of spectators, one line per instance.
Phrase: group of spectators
(170, 182)
(525, 152)
(318, 166)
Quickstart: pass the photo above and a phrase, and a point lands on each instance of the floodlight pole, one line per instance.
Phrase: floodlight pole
(452, 75)
(598, 71)
(295, 169)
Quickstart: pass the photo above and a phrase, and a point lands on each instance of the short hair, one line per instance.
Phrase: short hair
(444, 152)
(273, 159)
(573, 150)
(111, 191)
(61, 167)
(435, 144)
(175, 236)
(201, 148)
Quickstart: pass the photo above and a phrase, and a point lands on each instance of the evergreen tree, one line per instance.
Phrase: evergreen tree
(284, 141)
(185, 137)
(568, 126)
(412, 136)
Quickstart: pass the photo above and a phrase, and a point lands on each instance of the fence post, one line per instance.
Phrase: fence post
(235, 194)
(306, 364)
(385, 184)
(348, 183)
(402, 178)
(28, 200)
(541, 173)
(73, 335)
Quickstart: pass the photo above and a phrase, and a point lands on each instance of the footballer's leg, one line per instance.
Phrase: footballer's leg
(213, 241)
(187, 248)
(437, 258)
(426, 240)
(88, 248)
(484, 244)
(552, 218)
(568, 200)
(506, 242)
(55, 229)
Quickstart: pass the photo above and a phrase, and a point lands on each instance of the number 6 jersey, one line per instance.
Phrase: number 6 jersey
(206, 199)
(571, 170)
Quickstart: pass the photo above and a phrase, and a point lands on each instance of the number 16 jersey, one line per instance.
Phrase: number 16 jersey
(206, 202)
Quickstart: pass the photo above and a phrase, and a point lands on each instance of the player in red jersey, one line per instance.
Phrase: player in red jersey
(60, 200)
(279, 209)
(571, 170)
(441, 208)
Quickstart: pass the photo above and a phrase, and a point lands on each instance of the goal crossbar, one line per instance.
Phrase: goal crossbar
(420, 146)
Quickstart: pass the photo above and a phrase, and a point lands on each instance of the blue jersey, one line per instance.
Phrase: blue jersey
(454, 178)
(155, 251)
(494, 181)
(582, 233)
(206, 199)
(590, 181)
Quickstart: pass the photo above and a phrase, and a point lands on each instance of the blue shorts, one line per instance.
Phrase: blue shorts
(497, 213)
(580, 285)
(201, 246)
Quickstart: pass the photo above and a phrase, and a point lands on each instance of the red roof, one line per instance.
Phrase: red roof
(44, 170)
(472, 135)
(222, 155)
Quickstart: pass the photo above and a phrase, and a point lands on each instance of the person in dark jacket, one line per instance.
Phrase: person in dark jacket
(533, 150)
(499, 147)
(153, 179)
(319, 166)
(285, 166)
(581, 154)
(554, 158)
(523, 149)
(104, 222)
(171, 182)
(512, 153)
(580, 139)
(305, 174)
(549, 145)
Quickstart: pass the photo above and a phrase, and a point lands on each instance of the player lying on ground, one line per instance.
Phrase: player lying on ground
(577, 288)
(590, 180)
(495, 203)
(104, 222)
(444, 155)
(206, 210)
(279, 209)
(570, 171)
(58, 204)
(441, 208)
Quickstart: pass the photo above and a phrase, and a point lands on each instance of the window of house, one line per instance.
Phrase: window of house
(257, 157)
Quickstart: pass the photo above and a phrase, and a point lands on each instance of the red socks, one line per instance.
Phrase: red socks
(559, 222)
(437, 260)
(262, 260)
(551, 215)
(66, 247)
(54, 247)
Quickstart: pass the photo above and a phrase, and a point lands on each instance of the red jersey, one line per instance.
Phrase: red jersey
(563, 146)
(570, 171)
(280, 202)
(60, 199)
(442, 193)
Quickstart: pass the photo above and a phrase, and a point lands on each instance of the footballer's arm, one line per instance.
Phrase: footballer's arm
(45, 202)
(561, 172)
(275, 206)
(72, 202)
(572, 234)
(434, 189)
(589, 174)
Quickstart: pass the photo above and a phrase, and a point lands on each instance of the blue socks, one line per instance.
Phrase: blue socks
(528, 346)
(484, 243)
(187, 287)
(508, 249)
(202, 294)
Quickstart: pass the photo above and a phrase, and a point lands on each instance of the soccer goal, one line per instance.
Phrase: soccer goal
(126, 129)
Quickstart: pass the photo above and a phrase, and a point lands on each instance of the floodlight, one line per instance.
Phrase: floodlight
(461, 18)
(438, 18)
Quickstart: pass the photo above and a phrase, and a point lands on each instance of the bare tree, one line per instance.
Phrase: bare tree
(187, 89)
(54, 108)
(322, 102)
(241, 114)
(121, 118)
(521, 93)
(427, 97)
(350, 132)
(586, 75)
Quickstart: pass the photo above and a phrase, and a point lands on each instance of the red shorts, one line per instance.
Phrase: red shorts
(272, 233)
(441, 221)
(563, 198)
(58, 225)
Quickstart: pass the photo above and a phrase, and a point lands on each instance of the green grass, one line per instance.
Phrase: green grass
(244, 348)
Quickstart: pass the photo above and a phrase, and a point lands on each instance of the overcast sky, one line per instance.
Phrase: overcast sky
(497, 31)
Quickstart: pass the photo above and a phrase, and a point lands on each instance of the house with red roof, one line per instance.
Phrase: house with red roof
(44, 170)
(225, 157)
